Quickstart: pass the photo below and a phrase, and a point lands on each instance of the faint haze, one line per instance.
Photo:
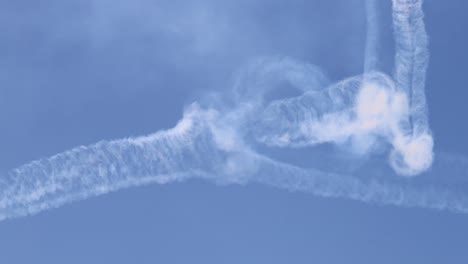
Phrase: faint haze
(61, 60)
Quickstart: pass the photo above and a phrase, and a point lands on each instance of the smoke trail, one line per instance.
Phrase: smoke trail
(341, 111)
(415, 143)
(411, 60)
(108, 165)
(225, 141)
(262, 75)
(200, 146)
(372, 36)
(430, 194)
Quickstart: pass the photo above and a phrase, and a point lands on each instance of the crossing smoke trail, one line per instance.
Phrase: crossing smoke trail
(366, 114)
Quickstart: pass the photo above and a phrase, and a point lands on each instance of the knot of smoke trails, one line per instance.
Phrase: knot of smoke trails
(360, 111)
(219, 143)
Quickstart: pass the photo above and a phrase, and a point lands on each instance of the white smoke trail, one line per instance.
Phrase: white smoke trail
(372, 36)
(411, 62)
(108, 165)
(226, 144)
(411, 59)
(200, 146)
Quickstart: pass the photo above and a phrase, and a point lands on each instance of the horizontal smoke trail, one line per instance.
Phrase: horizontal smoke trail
(436, 193)
(191, 150)
(315, 117)
(82, 172)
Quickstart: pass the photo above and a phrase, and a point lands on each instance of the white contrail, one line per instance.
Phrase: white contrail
(372, 36)
(434, 193)
(228, 141)
(412, 58)
(200, 147)
(108, 165)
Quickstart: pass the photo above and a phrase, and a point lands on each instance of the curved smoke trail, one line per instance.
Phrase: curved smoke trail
(367, 114)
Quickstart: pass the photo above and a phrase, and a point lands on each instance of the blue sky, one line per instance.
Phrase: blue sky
(73, 73)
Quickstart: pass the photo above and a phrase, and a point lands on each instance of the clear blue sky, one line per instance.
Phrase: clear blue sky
(79, 71)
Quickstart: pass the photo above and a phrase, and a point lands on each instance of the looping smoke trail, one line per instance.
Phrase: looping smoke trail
(329, 115)
(370, 114)
(259, 77)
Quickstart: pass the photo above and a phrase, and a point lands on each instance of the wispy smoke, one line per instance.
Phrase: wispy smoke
(228, 140)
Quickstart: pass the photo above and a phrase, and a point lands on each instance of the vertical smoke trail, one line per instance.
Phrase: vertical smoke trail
(412, 58)
(372, 36)
(413, 151)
